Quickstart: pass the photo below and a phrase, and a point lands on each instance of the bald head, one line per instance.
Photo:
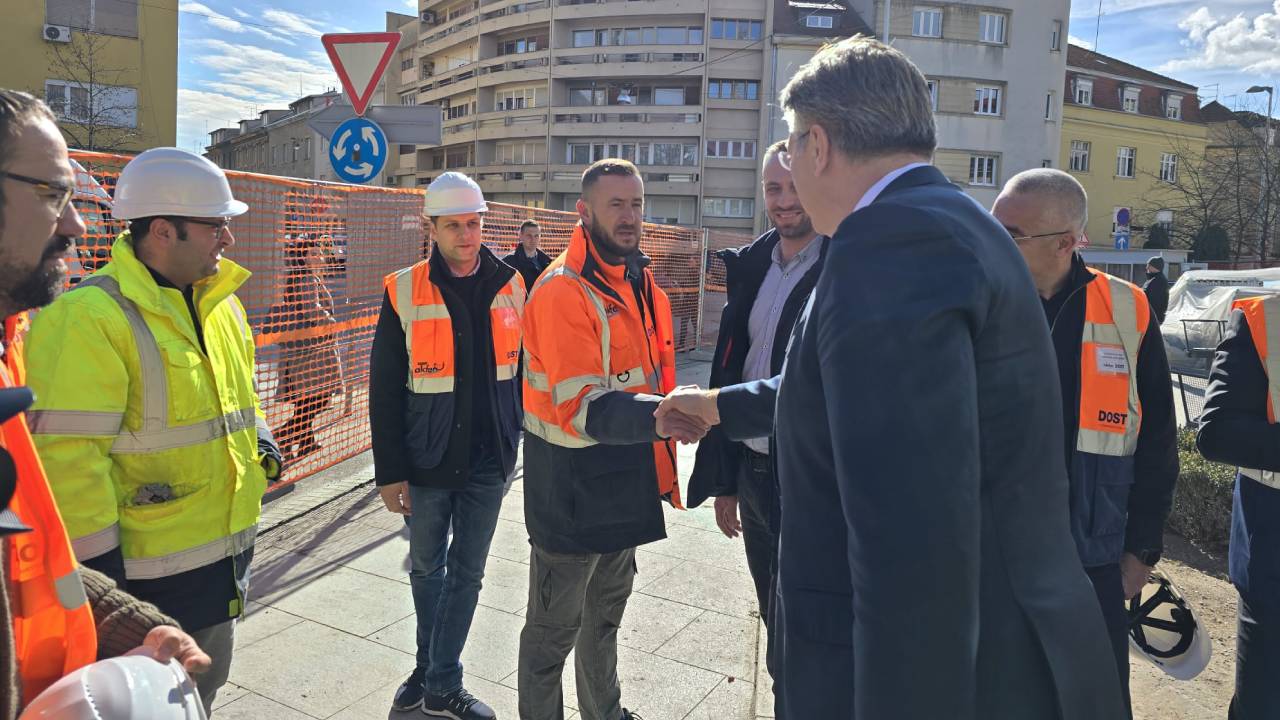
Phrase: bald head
(1061, 197)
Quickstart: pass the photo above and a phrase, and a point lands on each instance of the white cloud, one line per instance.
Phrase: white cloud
(1086, 44)
(222, 22)
(1089, 8)
(1238, 43)
(240, 13)
(296, 24)
(200, 112)
(242, 67)
(411, 4)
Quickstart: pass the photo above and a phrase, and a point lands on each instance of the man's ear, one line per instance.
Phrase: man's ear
(584, 213)
(818, 146)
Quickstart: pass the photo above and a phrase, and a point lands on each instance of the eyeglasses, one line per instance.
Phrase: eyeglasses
(64, 191)
(1020, 238)
(221, 227)
(784, 157)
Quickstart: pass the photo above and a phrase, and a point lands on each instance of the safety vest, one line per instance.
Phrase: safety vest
(151, 440)
(637, 355)
(428, 330)
(1263, 316)
(53, 628)
(1117, 315)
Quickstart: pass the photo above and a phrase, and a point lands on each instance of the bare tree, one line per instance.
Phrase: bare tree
(95, 109)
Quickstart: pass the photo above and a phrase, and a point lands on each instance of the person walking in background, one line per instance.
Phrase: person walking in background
(768, 283)
(310, 367)
(1157, 287)
(527, 258)
(147, 418)
(1121, 436)
(444, 414)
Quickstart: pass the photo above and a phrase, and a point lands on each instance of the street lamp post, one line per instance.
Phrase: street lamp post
(1266, 170)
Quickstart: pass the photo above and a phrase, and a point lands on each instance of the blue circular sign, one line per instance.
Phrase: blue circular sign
(358, 150)
(1122, 216)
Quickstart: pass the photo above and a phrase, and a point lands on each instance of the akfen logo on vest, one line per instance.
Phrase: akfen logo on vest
(426, 368)
(1112, 418)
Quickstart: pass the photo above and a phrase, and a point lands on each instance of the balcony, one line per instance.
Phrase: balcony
(449, 36)
(644, 61)
(523, 67)
(460, 130)
(511, 178)
(515, 14)
(658, 179)
(618, 8)
(504, 124)
(648, 120)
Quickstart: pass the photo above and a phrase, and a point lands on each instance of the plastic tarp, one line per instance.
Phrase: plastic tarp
(1199, 306)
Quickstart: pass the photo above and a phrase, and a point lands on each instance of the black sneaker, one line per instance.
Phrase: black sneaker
(628, 715)
(459, 705)
(409, 695)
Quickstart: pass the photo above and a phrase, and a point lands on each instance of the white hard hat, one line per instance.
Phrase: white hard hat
(454, 194)
(1163, 630)
(132, 686)
(169, 181)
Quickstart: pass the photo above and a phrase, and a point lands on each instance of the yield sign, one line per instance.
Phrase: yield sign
(360, 59)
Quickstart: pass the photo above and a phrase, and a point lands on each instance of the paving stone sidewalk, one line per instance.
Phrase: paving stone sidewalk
(330, 627)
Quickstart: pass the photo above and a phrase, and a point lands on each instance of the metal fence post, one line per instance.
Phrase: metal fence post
(702, 285)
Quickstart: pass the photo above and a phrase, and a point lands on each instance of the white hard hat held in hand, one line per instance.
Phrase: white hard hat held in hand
(454, 194)
(173, 182)
(1163, 630)
(132, 686)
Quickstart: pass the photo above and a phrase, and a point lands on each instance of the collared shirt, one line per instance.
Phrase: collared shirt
(762, 324)
(882, 183)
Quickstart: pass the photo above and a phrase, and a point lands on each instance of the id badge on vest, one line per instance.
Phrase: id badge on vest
(1111, 360)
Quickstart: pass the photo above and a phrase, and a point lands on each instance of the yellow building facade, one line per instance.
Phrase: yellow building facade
(109, 70)
(1126, 134)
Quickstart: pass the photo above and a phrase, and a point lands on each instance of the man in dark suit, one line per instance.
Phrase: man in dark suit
(926, 567)
(1157, 287)
(526, 258)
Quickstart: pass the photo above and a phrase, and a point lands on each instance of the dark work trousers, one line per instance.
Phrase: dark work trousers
(1109, 586)
(758, 509)
(575, 601)
(1257, 660)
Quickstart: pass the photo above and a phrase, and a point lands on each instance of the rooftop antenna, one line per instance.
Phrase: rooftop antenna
(1097, 27)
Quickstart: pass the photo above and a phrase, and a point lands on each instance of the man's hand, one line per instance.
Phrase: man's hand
(396, 497)
(692, 401)
(168, 642)
(1133, 574)
(727, 515)
(679, 427)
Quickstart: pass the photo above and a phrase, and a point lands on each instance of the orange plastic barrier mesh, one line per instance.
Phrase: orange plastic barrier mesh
(318, 253)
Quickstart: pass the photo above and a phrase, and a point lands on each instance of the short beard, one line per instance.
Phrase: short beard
(604, 240)
(41, 284)
(803, 229)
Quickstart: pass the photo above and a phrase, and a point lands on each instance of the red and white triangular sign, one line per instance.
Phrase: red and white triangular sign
(360, 59)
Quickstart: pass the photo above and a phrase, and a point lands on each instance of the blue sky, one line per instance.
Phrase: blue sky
(236, 57)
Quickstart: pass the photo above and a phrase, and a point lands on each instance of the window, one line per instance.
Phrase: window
(1130, 99)
(110, 105)
(986, 101)
(672, 36)
(306, 149)
(730, 29)
(926, 22)
(275, 155)
(1173, 106)
(1165, 218)
(933, 94)
(584, 38)
(518, 99)
(731, 149)
(519, 153)
(991, 27)
(1046, 163)
(457, 111)
(109, 17)
(1055, 37)
(1126, 161)
(1169, 167)
(409, 99)
(668, 96)
(515, 47)
(818, 21)
(733, 89)
(982, 170)
(728, 207)
(1048, 106)
(579, 154)
(1084, 91)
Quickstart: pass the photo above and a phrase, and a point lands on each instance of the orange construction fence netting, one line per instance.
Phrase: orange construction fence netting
(319, 251)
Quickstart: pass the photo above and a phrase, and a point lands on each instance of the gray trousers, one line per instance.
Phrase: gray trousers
(217, 641)
(575, 601)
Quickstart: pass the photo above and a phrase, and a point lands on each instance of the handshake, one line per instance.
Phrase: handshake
(687, 413)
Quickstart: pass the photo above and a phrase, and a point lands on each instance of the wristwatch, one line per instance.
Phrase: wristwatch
(1148, 557)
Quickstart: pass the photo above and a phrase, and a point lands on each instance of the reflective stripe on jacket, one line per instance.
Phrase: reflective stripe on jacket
(1117, 316)
(1263, 316)
(589, 333)
(151, 439)
(53, 626)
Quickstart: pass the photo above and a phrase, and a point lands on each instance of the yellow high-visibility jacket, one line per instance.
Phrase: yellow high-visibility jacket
(150, 441)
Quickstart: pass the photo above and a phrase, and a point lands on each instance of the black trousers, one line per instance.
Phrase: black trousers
(1109, 587)
(758, 507)
(1257, 694)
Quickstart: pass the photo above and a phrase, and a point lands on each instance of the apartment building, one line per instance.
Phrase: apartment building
(1126, 133)
(109, 70)
(277, 142)
(534, 90)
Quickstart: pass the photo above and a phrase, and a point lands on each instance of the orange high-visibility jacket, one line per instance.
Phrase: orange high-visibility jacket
(590, 333)
(1263, 316)
(53, 628)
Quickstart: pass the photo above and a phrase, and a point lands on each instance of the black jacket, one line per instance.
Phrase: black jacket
(426, 439)
(1155, 463)
(1157, 290)
(925, 532)
(715, 470)
(528, 267)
